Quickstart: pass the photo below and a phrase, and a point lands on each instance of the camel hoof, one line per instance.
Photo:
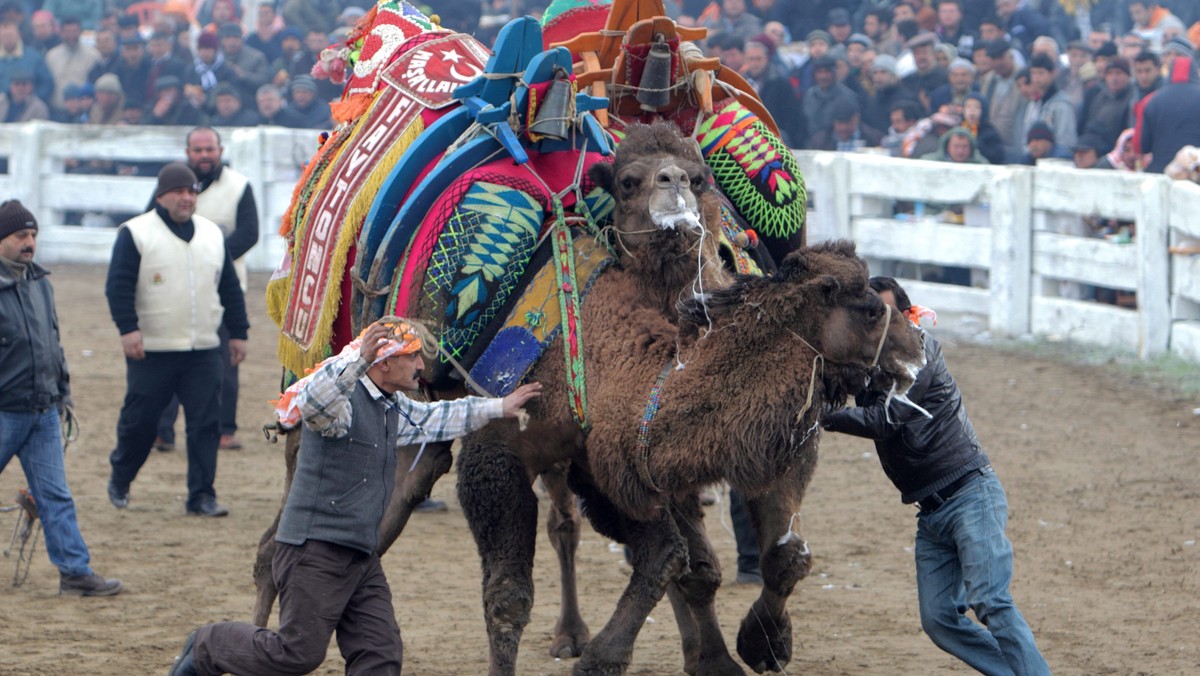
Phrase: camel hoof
(569, 645)
(763, 652)
(589, 666)
(725, 666)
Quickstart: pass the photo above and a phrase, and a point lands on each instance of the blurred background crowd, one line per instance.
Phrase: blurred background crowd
(1104, 83)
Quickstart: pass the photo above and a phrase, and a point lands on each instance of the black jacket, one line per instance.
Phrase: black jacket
(33, 368)
(920, 455)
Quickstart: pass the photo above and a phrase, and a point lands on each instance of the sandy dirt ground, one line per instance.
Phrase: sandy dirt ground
(1102, 473)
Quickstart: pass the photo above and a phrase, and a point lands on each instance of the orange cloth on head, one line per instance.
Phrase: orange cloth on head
(916, 312)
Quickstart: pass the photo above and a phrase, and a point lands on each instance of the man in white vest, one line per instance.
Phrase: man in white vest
(227, 199)
(171, 285)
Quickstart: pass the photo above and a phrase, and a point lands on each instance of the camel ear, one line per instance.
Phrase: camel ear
(794, 267)
(602, 174)
(829, 288)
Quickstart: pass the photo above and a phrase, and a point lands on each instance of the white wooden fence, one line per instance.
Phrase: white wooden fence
(38, 154)
(1019, 237)
(1026, 253)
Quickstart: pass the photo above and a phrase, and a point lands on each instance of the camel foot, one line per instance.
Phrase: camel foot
(765, 644)
(596, 668)
(720, 666)
(570, 640)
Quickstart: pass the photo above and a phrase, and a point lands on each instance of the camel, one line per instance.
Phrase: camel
(723, 384)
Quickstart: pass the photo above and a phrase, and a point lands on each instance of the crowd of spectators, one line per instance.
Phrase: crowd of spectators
(104, 62)
(991, 81)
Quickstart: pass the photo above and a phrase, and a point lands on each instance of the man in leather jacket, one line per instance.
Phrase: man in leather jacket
(963, 558)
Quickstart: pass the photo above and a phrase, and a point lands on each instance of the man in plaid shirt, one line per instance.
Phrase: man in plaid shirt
(325, 566)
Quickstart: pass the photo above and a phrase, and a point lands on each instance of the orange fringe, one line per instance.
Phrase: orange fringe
(285, 223)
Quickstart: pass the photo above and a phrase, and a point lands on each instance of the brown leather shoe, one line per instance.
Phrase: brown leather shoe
(230, 443)
(88, 585)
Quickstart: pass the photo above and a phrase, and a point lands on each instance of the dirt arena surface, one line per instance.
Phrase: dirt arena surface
(1102, 472)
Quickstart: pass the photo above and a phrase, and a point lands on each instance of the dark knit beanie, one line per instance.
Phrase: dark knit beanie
(1040, 131)
(174, 176)
(15, 217)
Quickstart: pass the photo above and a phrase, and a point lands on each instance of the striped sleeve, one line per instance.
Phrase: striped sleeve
(325, 402)
(444, 420)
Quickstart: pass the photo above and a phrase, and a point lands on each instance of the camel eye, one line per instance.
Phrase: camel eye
(629, 183)
(697, 182)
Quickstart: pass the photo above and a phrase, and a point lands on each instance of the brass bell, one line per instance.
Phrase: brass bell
(654, 90)
(553, 118)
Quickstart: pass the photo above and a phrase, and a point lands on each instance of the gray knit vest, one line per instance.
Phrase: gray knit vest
(342, 486)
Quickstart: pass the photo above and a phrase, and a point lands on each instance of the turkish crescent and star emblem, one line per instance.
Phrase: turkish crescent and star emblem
(432, 71)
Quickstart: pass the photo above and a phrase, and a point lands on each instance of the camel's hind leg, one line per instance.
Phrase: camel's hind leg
(693, 597)
(659, 556)
(264, 582)
(562, 526)
(765, 636)
(501, 509)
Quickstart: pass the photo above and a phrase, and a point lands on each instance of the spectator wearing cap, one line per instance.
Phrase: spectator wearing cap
(987, 139)
(267, 25)
(846, 133)
(127, 27)
(134, 70)
(858, 52)
(1022, 22)
(1088, 153)
(247, 66)
(1107, 114)
(1175, 48)
(163, 62)
(819, 43)
(1154, 22)
(1169, 120)
(887, 92)
(956, 145)
(350, 16)
(170, 107)
(19, 103)
(961, 82)
(877, 25)
(313, 112)
(307, 15)
(839, 27)
(87, 11)
(1049, 105)
(950, 29)
(109, 51)
(171, 285)
(928, 76)
(229, 111)
(294, 59)
(999, 89)
(73, 110)
(735, 20)
(15, 57)
(1078, 53)
(819, 101)
(110, 100)
(773, 88)
(274, 110)
(70, 62)
(209, 67)
(1040, 144)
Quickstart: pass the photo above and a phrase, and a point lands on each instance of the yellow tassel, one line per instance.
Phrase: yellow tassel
(292, 355)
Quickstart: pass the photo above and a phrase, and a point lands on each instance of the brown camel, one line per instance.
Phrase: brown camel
(749, 369)
(671, 261)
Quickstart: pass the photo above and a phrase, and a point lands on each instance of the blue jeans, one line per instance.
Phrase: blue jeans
(36, 439)
(964, 560)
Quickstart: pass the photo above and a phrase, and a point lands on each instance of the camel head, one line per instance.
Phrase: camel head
(819, 300)
(666, 218)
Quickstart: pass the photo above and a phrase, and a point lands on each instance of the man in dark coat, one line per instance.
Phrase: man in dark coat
(819, 100)
(1108, 113)
(964, 559)
(775, 90)
(1170, 121)
(846, 132)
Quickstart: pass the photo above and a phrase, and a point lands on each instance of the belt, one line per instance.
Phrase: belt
(939, 498)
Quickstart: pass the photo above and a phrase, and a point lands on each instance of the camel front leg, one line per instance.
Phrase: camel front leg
(411, 487)
(765, 636)
(659, 556)
(571, 633)
(697, 590)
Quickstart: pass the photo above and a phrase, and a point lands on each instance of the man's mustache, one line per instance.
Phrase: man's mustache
(27, 250)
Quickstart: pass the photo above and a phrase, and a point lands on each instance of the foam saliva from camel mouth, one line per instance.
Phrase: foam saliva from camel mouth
(678, 218)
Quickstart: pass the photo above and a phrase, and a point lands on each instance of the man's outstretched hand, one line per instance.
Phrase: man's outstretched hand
(514, 401)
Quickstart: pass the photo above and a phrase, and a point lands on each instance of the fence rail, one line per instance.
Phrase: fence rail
(1020, 245)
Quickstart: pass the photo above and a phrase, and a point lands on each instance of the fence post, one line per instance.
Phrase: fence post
(25, 167)
(1012, 251)
(1154, 269)
(832, 200)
